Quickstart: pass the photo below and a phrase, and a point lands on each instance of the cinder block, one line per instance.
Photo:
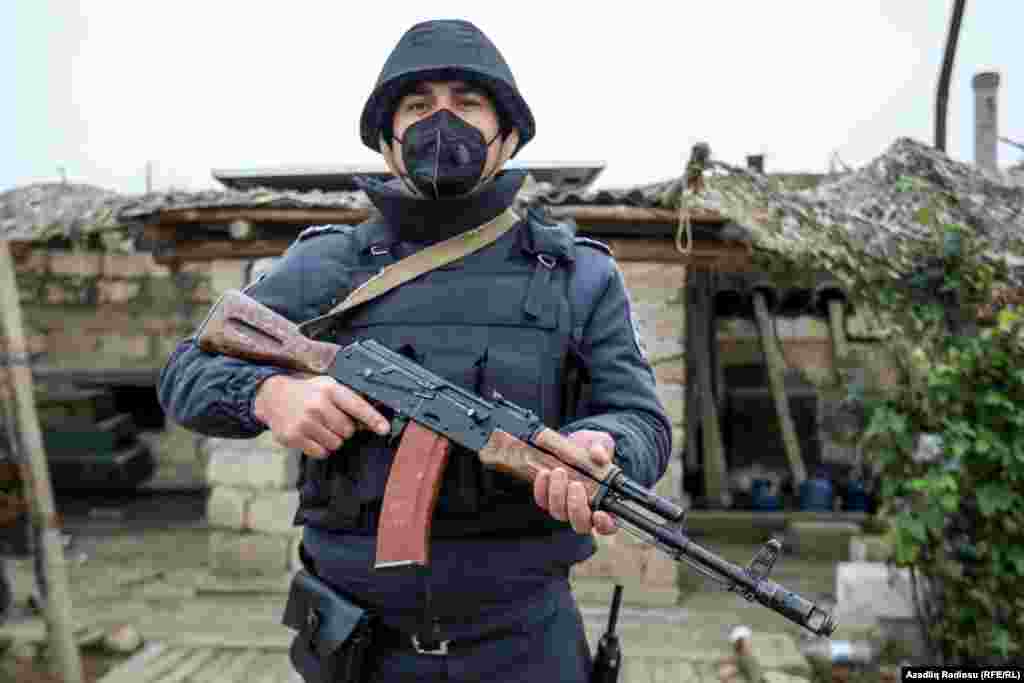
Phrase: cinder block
(670, 371)
(66, 344)
(125, 265)
(657, 282)
(34, 261)
(75, 263)
(870, 549)
(227, 508)
(240, 553)
(154, 269)
(821, 540)
(116, 291)
(671, 485)
(225, 275)
(673, 397)
(246, 464)
(660, 569)
(272, 512)
(128, 346)
(202, 293)
(867, 591)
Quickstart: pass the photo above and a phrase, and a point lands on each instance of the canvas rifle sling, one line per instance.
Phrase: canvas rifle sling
(411, 267)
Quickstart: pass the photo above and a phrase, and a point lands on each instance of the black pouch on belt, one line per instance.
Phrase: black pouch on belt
(334, 634)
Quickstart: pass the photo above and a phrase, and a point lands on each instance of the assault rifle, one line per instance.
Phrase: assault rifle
(430, 412)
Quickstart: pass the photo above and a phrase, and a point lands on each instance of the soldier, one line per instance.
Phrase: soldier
(522, 316)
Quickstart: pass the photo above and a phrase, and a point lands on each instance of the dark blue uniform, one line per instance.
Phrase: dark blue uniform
(522, 317)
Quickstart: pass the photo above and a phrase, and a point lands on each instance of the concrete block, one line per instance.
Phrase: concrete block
(202, 293)
(126, 345)
(821, 540)
(34, 261)
(228, 508)
(657, 282)
(154, 269)
(671, 484)
(238, 553)
(125, 265)
(246, 464)
(272, 512)
(67, 344)
(173, 443)
(226, 274)
(57, 294)
(870, 549)
(867, 591)
(670, 370)
(660, 569)
(117, 291)
(75, 263)
(673, 398)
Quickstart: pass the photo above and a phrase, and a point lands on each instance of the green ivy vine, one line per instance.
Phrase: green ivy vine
(948, 448)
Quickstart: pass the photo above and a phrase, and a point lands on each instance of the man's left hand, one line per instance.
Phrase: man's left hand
(567, 501)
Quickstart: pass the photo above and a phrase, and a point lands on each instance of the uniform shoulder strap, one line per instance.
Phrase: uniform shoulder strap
(587, 283)
(415, 265)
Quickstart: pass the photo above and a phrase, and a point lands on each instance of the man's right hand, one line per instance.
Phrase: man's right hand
(313, 413)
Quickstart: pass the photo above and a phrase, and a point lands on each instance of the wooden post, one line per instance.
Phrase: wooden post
(692, 382)
(715, 488)
(776, 366)
(38, 488)
(837, 334)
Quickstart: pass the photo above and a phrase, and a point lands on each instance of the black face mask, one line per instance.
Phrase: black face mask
(444, 156)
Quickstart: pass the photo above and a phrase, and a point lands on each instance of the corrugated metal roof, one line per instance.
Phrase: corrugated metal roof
(342, 177)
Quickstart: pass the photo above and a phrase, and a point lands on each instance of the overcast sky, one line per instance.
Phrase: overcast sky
(100, 87)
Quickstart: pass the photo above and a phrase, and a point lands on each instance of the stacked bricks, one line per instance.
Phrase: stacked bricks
(252, 503)
(105, 310)
(253, 498)
(656, 295)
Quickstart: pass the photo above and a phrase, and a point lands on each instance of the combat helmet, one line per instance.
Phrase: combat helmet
(445, 50)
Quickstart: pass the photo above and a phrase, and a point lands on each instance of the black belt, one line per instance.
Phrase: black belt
(386, 637)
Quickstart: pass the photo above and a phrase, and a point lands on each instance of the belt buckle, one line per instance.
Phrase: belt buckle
(440, 649)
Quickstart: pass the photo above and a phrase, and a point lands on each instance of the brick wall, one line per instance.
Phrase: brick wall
(90, 309)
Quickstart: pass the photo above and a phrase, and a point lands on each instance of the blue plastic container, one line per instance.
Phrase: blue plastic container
(761, 496)
(856, 499)
(816, 495)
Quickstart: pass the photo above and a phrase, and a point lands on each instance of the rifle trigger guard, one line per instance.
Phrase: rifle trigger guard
(398, 424)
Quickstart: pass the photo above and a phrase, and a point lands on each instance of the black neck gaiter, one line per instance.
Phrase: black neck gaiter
(427, 221)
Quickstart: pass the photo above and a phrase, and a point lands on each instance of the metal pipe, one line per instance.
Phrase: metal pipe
(942, 93)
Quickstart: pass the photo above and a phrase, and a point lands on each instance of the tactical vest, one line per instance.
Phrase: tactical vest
(498, 320)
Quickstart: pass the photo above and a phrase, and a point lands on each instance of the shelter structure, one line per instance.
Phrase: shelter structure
(745, 334)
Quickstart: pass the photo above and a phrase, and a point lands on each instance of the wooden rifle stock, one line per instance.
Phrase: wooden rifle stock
(243, 328)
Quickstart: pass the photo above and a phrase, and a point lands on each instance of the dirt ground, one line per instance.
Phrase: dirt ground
(36, 670)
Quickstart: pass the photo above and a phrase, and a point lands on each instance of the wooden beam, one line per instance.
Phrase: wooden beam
(190, 252)
(632, 214)
(699, 326)
(289, 216)
(22, 424)
(776, 366)
(837, 336)
(708, 255)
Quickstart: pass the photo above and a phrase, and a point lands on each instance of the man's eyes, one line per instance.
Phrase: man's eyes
(415, 106)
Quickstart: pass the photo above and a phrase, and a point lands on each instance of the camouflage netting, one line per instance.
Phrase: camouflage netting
(881, 217)
(47, 210)
(141, 208)
(40, 212)
(874, 217)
